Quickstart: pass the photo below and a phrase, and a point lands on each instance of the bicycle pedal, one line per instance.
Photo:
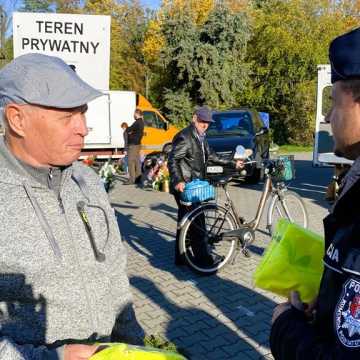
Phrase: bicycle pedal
(246, 252)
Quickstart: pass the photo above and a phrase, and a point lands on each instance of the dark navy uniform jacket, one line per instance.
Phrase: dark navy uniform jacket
(335, 332)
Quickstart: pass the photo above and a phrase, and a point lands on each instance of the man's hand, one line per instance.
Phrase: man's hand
(295, 301)
(79, 351)
(180, 187)
(240, 164)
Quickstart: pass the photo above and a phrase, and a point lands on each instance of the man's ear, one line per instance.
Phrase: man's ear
(15, 116)
(194, 118)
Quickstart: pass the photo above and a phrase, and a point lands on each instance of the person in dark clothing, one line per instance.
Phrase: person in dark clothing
(124, 127)
(329, 328)
(135, 133)
(187, 161)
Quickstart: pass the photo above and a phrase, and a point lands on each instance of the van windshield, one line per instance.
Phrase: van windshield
(236, 123)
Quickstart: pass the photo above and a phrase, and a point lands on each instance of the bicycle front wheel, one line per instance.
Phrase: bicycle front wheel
(288, 205)
(201, 240)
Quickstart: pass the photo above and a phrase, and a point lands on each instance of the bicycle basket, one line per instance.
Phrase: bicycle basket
(198, 191)
(284, 169)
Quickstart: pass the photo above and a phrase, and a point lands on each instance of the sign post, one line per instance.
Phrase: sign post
(82, 41)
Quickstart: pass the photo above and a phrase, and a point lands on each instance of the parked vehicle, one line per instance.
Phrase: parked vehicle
(240, 127)
(105, 115)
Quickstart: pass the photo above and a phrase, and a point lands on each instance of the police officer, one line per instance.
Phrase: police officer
(329, 328)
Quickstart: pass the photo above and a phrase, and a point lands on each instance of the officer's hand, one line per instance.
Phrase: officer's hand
(298, 304)
(79, 351)
(240, 164)
(180, 187)
(279, 310)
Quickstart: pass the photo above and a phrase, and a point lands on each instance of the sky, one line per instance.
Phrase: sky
(153, 4)
(12, 5)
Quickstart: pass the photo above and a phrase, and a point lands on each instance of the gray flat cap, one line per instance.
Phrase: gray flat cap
(204, 114)
(43, 80)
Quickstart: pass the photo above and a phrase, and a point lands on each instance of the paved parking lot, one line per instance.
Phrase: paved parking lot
(217, 317)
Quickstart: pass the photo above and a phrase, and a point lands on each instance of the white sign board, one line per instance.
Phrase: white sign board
(82, 41)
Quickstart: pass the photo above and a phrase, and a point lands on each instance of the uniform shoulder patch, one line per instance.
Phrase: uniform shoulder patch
(347, 315)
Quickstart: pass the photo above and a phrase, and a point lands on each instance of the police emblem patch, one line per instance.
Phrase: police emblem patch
(347, 315)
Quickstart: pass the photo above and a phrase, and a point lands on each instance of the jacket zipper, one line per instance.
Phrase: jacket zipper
(95, 323)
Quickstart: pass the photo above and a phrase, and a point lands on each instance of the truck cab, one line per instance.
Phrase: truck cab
(158, 133)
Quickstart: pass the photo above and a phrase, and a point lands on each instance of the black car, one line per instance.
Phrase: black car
(240, 127)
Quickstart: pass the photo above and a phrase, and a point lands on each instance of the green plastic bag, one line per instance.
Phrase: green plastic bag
(293, 261)
(119, 351)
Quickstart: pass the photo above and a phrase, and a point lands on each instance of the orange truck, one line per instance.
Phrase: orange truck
(105, 116)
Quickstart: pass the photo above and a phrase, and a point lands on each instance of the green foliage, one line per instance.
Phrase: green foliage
(60, 6)
(290, 38)
(159, 342)
(223, 53)
(36, 5)
(128, 23)
(202, 63)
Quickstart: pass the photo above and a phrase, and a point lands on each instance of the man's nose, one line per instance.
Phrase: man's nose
(80, 122)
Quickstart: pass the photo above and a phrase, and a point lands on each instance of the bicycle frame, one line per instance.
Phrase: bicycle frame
(254, 223)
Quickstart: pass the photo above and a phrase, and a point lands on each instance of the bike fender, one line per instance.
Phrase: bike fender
(190, 214)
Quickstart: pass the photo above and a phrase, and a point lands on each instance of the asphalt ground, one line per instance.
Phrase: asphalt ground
(222, 316)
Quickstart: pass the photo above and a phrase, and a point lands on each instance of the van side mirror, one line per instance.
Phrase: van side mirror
(165, 125)
(262, 131)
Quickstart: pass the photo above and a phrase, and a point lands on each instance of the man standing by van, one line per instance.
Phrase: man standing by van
(135, 133)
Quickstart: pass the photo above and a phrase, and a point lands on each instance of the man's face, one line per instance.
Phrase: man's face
(201, 126)
(54, 136)
(344, 117)
(136, 115)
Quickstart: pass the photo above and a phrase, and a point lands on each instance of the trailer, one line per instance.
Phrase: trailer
(323, 154)
(105, 116)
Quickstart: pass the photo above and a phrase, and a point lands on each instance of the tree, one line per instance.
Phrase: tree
(201, 63)
(290, 38)
(127, 29)
(36, 6)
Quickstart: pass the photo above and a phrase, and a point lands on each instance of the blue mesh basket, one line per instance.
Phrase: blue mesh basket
(284, 168)
(198, 191)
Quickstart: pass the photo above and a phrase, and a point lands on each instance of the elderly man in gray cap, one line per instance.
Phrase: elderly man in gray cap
(329, 327)
(62, 262)
(187, 161)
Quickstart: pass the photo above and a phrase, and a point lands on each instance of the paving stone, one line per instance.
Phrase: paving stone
(207, 316)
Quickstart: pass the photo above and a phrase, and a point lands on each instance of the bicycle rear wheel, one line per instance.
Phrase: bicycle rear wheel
(288, 205)
(201, 240)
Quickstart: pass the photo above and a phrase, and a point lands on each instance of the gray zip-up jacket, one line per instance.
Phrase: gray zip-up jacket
(53, 290)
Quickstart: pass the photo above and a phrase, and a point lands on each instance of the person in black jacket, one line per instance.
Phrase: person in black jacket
(135, 133)
(187, 161)
(329, 328)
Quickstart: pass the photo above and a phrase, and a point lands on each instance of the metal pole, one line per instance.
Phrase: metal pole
(2, 32)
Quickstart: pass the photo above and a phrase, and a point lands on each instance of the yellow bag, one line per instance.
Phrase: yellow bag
(293, 261)
(119, 351)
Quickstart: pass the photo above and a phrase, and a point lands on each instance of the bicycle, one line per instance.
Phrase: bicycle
(226, 233)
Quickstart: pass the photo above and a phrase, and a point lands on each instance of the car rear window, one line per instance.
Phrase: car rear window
(239, 123)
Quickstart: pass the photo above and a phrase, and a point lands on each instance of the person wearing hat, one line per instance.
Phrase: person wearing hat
(187, 161)
(329, 327)
(63, 283)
